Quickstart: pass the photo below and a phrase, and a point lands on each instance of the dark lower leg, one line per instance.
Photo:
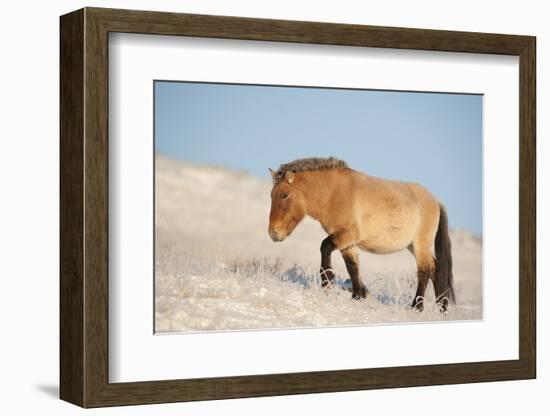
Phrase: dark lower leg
(359, 289)
(327, 275)
(423, 279)
(441, 296)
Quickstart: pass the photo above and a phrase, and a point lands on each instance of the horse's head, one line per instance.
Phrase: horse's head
(287, 206)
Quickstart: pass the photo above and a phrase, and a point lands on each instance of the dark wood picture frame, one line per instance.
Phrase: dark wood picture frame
(84, 207)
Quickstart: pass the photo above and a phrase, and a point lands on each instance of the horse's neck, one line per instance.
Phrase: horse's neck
(318, 188)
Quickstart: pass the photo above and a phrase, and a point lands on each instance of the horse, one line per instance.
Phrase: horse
(364, 212)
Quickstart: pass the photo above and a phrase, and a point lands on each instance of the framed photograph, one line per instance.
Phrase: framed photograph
(254, 207)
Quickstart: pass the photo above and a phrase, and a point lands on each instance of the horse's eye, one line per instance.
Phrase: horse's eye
(284, 195)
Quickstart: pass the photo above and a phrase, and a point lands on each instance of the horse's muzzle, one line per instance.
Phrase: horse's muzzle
(275, 236)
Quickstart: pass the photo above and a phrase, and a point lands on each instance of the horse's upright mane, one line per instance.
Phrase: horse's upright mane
(311, 163)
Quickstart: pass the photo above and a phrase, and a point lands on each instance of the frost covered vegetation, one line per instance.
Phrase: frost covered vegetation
(217, 270)
(219, 297)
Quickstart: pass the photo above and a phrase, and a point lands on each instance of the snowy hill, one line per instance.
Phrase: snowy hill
(217, 269)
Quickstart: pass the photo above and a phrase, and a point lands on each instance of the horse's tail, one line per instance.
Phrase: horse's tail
(443, 279)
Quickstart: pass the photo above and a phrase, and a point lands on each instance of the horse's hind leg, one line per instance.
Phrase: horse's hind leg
(425, 269)
(422, 249)
(351, 258)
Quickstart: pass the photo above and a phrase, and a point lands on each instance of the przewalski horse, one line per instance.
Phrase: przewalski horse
(358, 211)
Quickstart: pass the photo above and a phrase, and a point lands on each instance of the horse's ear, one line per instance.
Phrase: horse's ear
(289, 176)
(273, 175)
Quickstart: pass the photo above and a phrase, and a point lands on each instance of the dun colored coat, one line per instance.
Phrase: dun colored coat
(358, 211)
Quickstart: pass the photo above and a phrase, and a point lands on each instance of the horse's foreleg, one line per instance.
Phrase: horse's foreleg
(351, 258)
(339, 240)
(327, 275)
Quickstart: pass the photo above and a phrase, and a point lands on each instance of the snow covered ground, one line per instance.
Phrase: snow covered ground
(217, 269)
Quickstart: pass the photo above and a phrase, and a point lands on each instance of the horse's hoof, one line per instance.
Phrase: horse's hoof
(327, 284)
(327, 276)
(418, 304)
(418, 307)
(443, 307)
(360, 294)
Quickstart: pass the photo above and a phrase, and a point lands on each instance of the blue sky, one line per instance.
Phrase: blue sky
(430, 138)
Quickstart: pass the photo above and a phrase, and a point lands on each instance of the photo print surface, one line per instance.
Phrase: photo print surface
(280, 207)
